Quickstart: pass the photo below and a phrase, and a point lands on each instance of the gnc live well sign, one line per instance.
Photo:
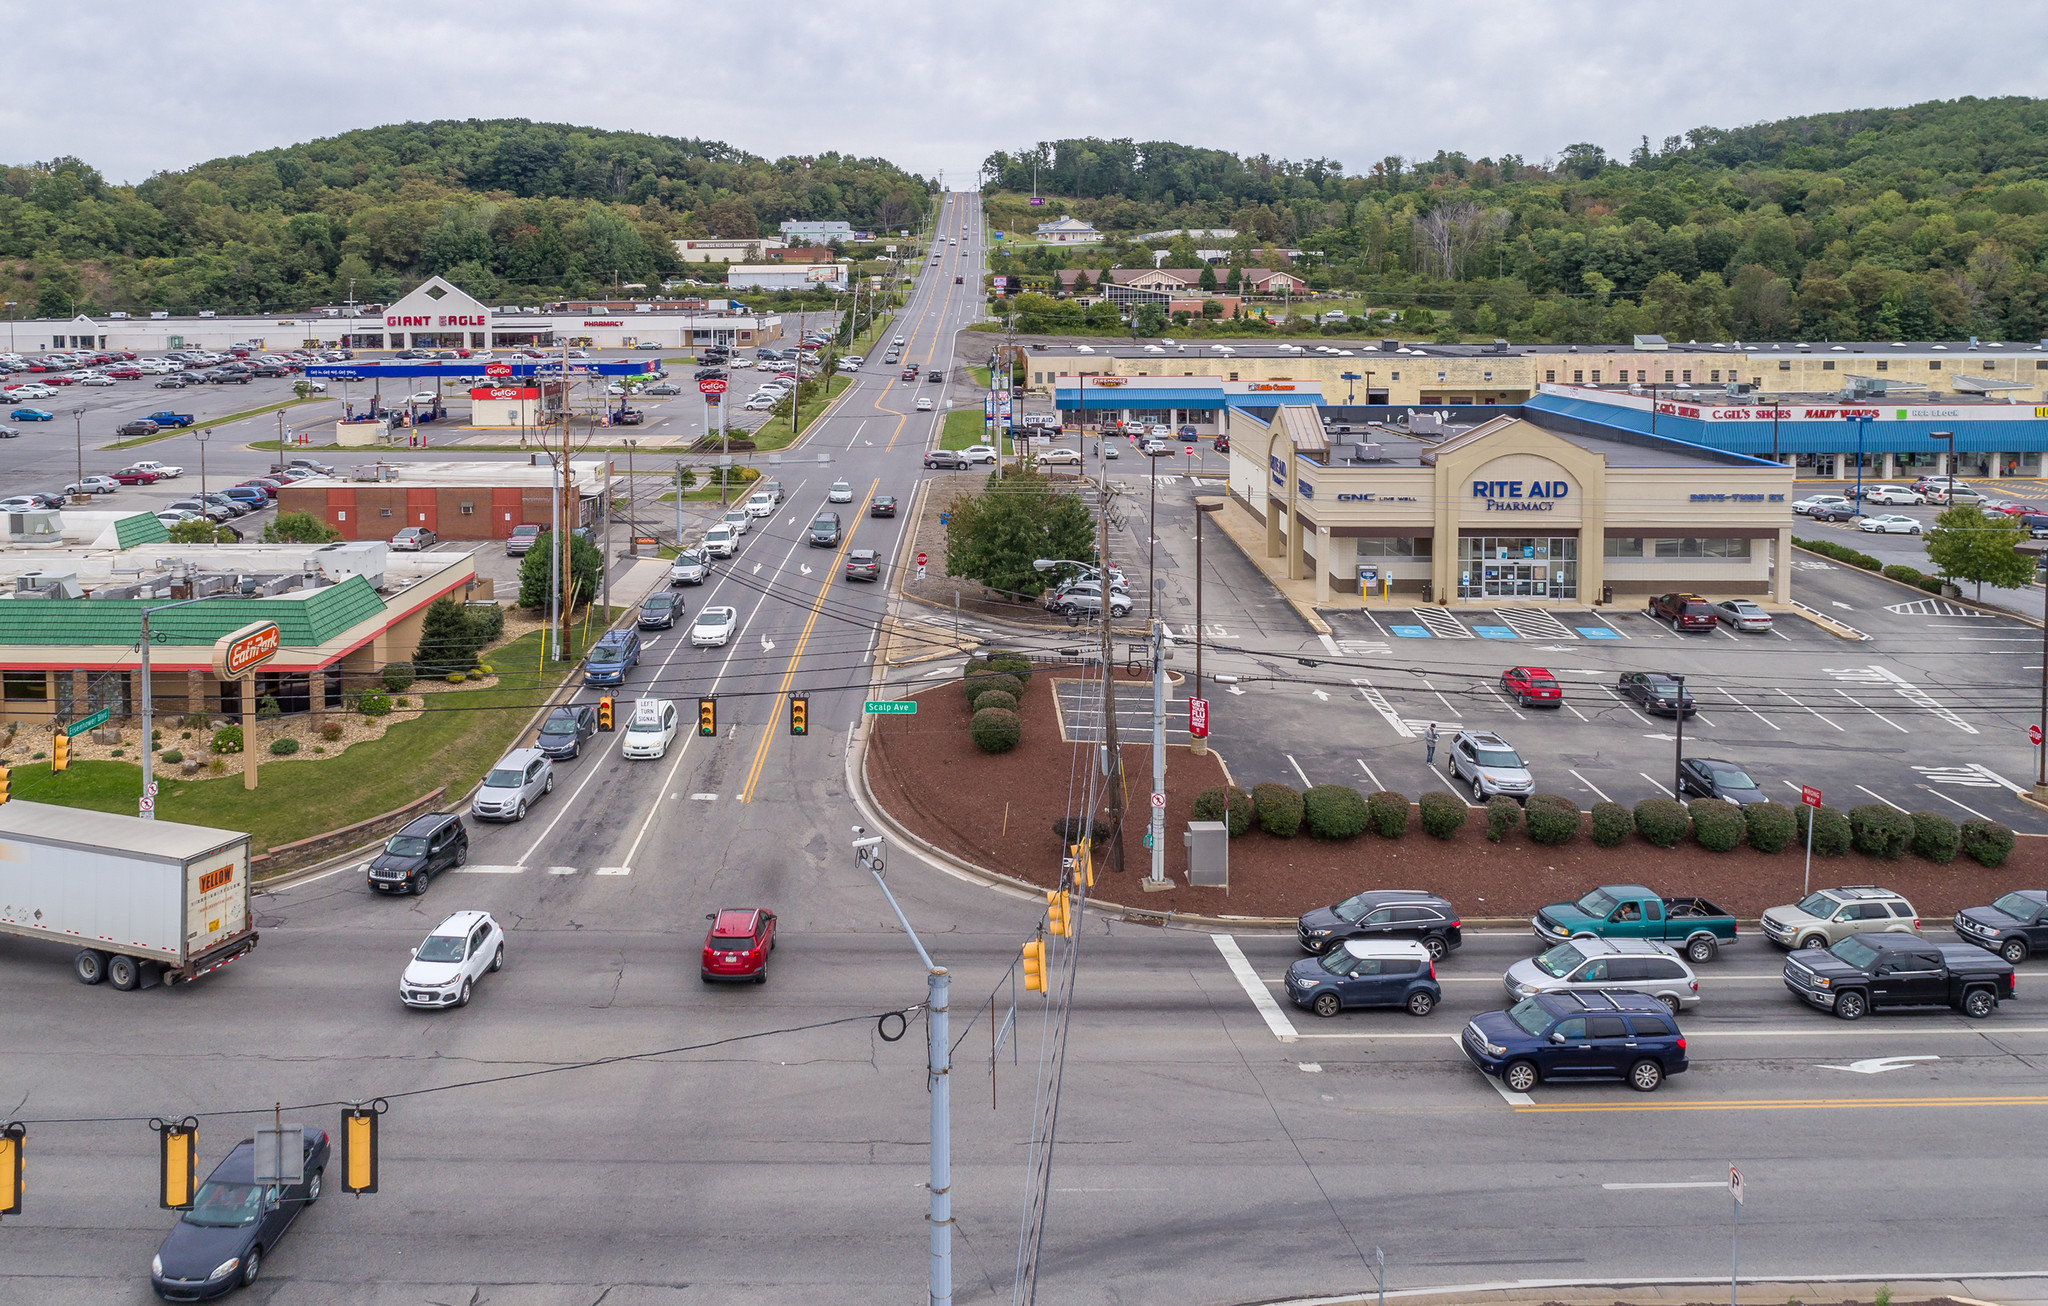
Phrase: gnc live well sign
(236, 655)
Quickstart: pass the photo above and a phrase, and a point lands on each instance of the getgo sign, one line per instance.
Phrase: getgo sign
(236, 655)
(1520, 496)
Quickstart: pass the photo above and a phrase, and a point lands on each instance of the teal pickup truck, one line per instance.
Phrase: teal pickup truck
(1629, 911)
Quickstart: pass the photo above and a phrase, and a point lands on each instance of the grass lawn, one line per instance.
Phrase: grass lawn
(452, 744)
(963, 427)
(170, 431)
(775, 434)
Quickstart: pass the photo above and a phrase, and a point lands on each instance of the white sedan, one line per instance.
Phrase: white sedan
(924, 405)
(1893, 494)
(714, 626)
(841, 492)
(94, 378)
(1060, 457)
(1890, 523)
(423, 397)
(1820, 503)
(651, 730)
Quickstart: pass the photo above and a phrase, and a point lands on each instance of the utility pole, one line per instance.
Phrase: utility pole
(604, 566)
(202, 435)
(1161, 650)
(1113, 772)
(1151, 538)
(870, 854)
(78, 434)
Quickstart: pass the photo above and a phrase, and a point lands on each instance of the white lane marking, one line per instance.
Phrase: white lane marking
(1879, 715)
(614, 870)
(1331, 645)
(1626, 704)
(1379, 703)
(1575, 712)
(1440, 698)
(1595, 788)
(1882, 799)
(1982, 769)
(1488, 687)
(1965, 806)
(1611, 626)
(1667, 793)
(1796, 703)
(561, 870)
(1276, 1019)
(1690, 1183)
(1368, 773)
(1507, 1095)
(1878, 1065)
(1309, 1067)
(1745, 707)
(1298, 771)
(703, 798)
(482, 869)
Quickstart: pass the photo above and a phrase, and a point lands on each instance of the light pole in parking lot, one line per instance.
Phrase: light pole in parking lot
(78, 435)
(11, 304)
(1949, 465)
(1678, 733)
(203, 435)
(1862, 427)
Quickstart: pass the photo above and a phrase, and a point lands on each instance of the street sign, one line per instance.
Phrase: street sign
(2033, 734)
(711, 385)
(86, 723)
(1735, 1183)
(149, 790)
(497, 369)
(890, 706)
(921, 560)
(1159, 800)
(1198, 717)
(1809, 795)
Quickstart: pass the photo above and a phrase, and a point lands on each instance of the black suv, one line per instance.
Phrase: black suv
(423, 847)
(2012, 927)
(658, 611)
(1384, 914)
(563, 733)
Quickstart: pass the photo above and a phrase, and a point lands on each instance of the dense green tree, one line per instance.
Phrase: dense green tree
(535, 570)
(995, 536)
(298, 528)
(1967, 543)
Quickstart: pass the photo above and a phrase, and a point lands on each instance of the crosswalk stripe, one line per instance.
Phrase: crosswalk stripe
(482, 869)
(561, 870)
(1442, 624)
(614, 870)
(1535, 623)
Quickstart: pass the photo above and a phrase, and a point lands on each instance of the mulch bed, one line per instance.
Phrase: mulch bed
(999, 812)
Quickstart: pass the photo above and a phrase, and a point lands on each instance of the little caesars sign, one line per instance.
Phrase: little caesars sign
(1521, 496)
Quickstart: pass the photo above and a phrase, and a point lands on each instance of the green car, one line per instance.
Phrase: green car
(1693, 926)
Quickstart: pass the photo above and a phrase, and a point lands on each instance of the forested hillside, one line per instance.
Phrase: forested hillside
(1929, 221)
(507, 209)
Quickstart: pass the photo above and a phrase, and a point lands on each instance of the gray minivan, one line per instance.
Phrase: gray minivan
(825, 529)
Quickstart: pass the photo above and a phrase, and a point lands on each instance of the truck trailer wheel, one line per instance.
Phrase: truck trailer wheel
(125, 972)
(90, 966)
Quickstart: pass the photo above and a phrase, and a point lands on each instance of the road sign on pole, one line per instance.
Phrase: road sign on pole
(1735, 1183)
(2034, 735)
(1158, 800)
(86, 723)
(921, 561)
(1735, 1235)
(1811, 796)
(890, 706)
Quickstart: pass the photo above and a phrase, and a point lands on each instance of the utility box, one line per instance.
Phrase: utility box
(1208, 845)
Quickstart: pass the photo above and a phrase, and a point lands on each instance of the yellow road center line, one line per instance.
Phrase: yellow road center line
(1787, 1104)
(796, 654)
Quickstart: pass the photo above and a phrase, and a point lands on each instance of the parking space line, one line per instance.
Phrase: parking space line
(1575, 712)
(1503, 702)
(1653, 780)
(1379, 703)
(1440, 698)
(1747, 708)
(1595, 614)
(1882, 799)
(1965, 806)
(1796, 703)
(1625, 703)
(1590, 785)
(1507, 1095)
(1879, 715)
(1298, 771)
(1247, 978)
(1368, 773)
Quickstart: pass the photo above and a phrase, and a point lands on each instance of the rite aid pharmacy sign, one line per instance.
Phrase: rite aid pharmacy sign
(1521, 496)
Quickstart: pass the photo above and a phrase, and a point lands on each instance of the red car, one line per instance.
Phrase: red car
(738, 943)
(134, 477)
(1532, 687)
(1684, 612)
(123, 373)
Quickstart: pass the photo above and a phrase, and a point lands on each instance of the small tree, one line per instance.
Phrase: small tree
(448, 640)
(995, 536)
(299, 528)
(1150, 320)
(198, 530)
(534, 569)
(1967, 543)
(1207, 280)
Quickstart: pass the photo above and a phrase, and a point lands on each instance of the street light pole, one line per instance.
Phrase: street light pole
(202, 436)
(1199, 744)
(1678, 734)
(148, 803)
(78, 435)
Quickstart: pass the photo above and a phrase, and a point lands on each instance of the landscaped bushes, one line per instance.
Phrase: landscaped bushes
(983, 681)
(1333, 811)
(284, 747)
(1935, 837)
(1770, 826)
(1662, 821)
(1010, 664)
(1612, 824)
(374, 704)
(1501, 816)
(398, 675)
(1987, 842)
(1442, 813)
(1553, 819)
(995, 730)
(1387, 813)
(1914, 576)
(1232, 806)
(994, 698)
(1840, 553)
(1279, 809)
(1830, 829)
(1880, 831)
(227, 739)
(1716, 825)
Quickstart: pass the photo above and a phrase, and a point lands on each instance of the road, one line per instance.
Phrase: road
(1214, 1148)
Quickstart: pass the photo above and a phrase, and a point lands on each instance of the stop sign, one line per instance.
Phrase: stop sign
(711, 385)
(2033, 734)
(497, 369)
(920, 562)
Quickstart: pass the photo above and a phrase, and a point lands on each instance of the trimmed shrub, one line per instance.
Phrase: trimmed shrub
(331, 731)
(1612, 824)
(1830, 829)
(1935, 837)
(1387, 813)
(227, 739)
(982, 681)
(1987, 842)
(1716, 825)
(1501, 816)
(1932, 584)
(1279, 809)
(1333, 811)
(1232, 806)
(486, 622)
(1011, 665)
(267, 708)
(995, 698)
(397, 675)
(374, 704)
(1073, 829)
(456, 677)
(284, 747)
(1898, 571)
(995, 730)
(1442, 813)
(1663, 821)
(1880, 831)
(170, 757)
(1553, 819)
(1770, 826)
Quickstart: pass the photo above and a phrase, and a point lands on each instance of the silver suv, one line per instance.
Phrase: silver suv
(1489, 766)
(1827, 916)
(514, 784)
(1625, 965)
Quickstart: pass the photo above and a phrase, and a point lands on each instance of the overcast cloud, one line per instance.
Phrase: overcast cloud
(936, 87)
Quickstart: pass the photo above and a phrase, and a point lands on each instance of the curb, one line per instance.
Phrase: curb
(1602, 1292)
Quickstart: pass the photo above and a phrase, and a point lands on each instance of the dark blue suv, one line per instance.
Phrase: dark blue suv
(611, 658)
(1366, 973)
(1557, 1036)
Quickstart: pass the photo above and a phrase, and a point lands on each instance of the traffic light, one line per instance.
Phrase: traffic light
(1034, 966)
(3, 784)
(13, 1142)
(1059, 907)
(604, 712)
(359, 1149)
(707, 717)
(177, 1163)
(799, 714)
(1081, 857)
(60, 752)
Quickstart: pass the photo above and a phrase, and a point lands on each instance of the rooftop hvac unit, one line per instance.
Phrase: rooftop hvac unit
(365, 558)
(49, 584)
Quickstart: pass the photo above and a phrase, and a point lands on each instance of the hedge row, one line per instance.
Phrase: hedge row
(995, 688)
(1341, 812)
(1840, 553)
(1914, 576)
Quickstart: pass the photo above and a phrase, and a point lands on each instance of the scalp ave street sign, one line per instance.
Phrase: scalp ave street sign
(890, 706)
(1198, 718)
(711, 385)
(236, 655)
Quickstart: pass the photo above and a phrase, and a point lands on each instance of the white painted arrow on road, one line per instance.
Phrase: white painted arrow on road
(767, 644)
(757, 569)
(1320, 694)
(1878, 1065)
(804, 567)
(1237, 690)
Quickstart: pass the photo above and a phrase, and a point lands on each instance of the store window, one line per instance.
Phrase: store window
(1884, 365)
(24, 686)
(1685, 549)
(1394, 546)
(1686, 376)
(1397, 376)
(1827, 365)
(1578, 377)
(1714, 375)
(1534, 567)
(1550, 376)
(1934, 364)
(1623, 546)
(1596, 376)
(1784, 365)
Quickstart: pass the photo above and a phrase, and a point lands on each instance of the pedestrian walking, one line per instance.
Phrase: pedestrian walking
(1429, 745)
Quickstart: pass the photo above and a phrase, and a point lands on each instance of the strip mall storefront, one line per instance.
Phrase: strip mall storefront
(1511, 512)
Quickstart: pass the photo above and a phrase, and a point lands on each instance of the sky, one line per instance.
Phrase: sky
(936, 87)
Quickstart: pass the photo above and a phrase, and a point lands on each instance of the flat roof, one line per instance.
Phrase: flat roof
(588, 474)
(1272, 347)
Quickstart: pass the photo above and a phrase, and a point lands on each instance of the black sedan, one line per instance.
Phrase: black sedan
(884, 505)
(659, 610)
(1708, 777)
(219, 1244)
(1657, 692)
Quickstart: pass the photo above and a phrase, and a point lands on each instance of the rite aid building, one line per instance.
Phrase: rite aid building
(1534, 507)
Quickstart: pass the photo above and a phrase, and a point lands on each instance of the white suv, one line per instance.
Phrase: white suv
(460, 951)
